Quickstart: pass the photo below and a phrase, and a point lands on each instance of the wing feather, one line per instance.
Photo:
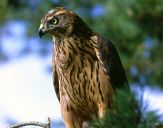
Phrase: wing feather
(110, 61)
(56, 81)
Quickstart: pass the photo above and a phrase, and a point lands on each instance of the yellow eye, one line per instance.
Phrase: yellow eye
(54, 21)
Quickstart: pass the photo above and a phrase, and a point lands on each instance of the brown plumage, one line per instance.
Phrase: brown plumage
(86, 67)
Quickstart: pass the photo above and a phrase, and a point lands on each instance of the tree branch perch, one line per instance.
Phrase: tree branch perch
(40, 124)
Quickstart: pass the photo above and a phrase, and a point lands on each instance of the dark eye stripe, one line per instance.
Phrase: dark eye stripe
(48, 24)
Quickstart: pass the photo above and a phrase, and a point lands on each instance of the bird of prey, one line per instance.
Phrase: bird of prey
(87, 69)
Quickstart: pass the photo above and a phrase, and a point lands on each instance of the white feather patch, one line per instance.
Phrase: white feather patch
(51, 11)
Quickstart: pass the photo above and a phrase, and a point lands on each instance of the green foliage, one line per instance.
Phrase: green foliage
(125, 113)
(149, 120)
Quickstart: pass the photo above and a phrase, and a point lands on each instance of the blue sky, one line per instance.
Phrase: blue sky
(26, 89)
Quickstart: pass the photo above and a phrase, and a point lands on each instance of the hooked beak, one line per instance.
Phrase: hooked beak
(41, 31)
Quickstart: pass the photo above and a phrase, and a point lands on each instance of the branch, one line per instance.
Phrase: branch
(43, 125)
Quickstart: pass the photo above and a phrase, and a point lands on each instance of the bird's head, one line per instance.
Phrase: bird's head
(61, 22)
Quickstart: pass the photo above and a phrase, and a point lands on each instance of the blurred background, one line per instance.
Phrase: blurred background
(26, 90)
